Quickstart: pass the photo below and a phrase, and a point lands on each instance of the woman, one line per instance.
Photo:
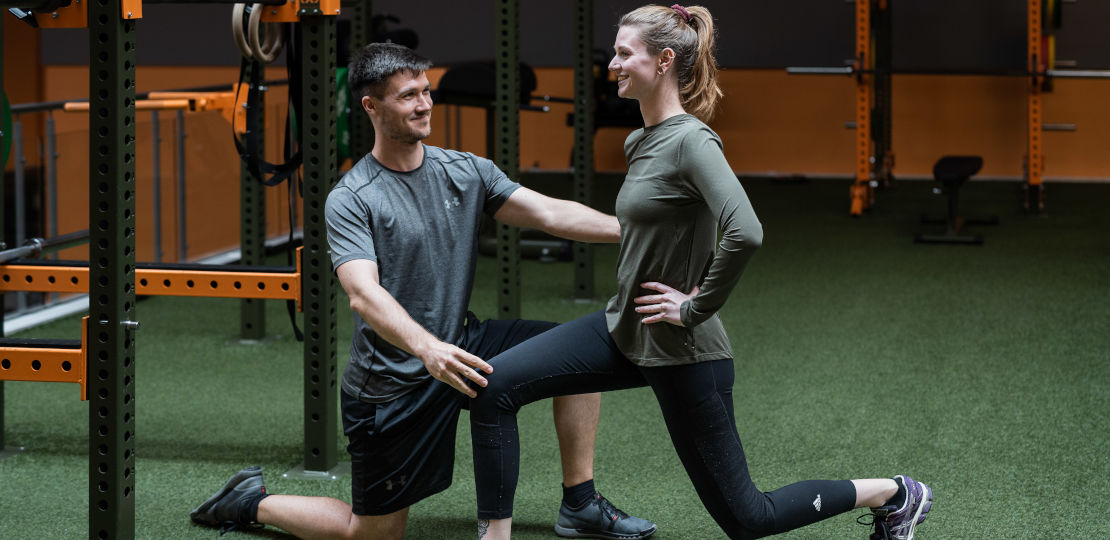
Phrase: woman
(679, 191)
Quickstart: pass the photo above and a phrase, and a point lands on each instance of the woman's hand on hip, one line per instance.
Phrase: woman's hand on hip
(663, 307)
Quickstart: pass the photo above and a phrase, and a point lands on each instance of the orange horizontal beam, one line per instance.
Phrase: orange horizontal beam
(46, 364)
(224, 102)
(140, 105)
(60, 279)
(204, 283)
(199, 101)
(266, 285)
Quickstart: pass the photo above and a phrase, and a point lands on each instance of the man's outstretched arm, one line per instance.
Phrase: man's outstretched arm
(389, 320)
(562, 218)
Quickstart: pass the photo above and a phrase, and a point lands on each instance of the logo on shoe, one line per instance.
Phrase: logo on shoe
(817, 502)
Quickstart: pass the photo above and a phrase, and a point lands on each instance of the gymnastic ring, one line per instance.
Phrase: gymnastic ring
(268, 49)
(237, 30)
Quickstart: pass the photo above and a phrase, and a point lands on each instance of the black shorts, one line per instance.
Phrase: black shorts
(403, 450)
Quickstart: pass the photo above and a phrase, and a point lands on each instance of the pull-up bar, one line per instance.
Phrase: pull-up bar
(140, 105)
(223, 102)
(37, 246)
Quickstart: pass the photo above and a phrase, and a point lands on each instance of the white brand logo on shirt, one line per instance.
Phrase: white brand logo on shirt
(817, 502)
(453, 202)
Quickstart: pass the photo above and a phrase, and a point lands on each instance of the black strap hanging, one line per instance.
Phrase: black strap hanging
(249, 148)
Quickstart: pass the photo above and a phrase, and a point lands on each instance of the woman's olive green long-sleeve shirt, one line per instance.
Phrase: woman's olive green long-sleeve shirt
(678, 193)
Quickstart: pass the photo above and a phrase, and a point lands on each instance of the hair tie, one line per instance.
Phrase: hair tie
(682, 11)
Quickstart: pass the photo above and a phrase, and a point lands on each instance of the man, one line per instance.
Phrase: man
(403, 230)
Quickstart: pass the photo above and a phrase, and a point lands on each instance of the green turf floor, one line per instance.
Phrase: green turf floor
(984, 371)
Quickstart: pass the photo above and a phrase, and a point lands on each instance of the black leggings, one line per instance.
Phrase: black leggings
(696, 401)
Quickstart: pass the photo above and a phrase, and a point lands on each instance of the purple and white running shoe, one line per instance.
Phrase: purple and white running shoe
(898, 523)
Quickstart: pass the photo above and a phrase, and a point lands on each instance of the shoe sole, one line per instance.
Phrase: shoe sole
(199, 513)
(922, 509)
(566, 532)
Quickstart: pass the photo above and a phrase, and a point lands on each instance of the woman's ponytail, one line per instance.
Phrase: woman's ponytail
(690, 33)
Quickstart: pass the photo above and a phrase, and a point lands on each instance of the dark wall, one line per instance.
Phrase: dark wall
(198, 34)
(928, 34)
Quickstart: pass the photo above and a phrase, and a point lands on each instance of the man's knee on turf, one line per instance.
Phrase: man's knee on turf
(387, 527)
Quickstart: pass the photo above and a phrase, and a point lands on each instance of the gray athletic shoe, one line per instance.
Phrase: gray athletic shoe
(600, 519)
(224, 509)
(899, 523)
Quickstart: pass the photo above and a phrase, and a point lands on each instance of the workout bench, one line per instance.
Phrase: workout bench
(952, 172)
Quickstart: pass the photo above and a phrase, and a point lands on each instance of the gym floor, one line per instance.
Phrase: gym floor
(984, 371)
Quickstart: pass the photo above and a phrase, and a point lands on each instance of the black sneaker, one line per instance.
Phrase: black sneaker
(224, 509)
(598, 518)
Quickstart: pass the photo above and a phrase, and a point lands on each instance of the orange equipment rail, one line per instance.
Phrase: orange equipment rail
(46, 364)
(160, 281)
(1034, 155)
(860, 192)
(224, 102)
(140, 105)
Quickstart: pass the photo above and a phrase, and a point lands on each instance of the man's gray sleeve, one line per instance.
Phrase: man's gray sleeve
(498, 186)
(348, 221)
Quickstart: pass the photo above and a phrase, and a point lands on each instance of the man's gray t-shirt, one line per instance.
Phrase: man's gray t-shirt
(421, 228)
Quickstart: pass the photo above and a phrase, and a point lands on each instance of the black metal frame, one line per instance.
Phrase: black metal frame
(111, 350)
(881, 114)
(362, 131)
(507, 149)
(583, 139)
(318, 145)
(252, 222)
(3, 218)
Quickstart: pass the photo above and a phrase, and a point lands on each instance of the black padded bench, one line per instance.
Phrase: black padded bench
(952, 172)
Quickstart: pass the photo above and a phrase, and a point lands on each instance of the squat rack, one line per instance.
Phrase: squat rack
(872, 68)
(112, 273)
(113, 277)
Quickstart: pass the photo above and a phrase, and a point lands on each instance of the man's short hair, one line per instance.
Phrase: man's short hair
(373, 65)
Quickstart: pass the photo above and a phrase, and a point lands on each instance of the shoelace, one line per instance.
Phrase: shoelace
(610, 511)
(882, 532)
